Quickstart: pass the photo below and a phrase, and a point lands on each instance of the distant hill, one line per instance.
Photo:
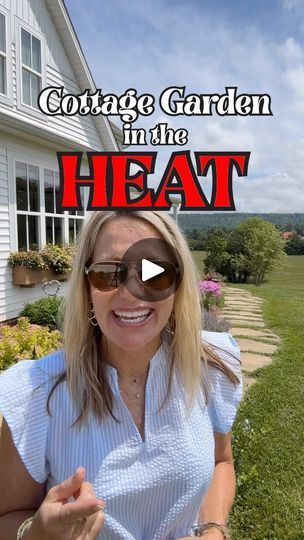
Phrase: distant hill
(229, 220)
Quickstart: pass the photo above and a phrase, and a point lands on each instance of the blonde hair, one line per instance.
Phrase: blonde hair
(189, 356)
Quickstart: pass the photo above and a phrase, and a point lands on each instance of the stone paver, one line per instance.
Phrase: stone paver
(265, 334)
(255, 305)
(256, 346)
(255, 324)
(252, 361)
(243, 309)
(244, 319)
(242, 312)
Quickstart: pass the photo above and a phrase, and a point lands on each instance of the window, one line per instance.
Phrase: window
(3, 56)
(54, 224)
(31, 68)
(76, 223)
(28, 205)
(40, 218)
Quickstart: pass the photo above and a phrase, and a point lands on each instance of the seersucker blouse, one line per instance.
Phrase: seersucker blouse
(154, 487)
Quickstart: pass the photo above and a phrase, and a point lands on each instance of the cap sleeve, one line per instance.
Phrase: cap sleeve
(225, 396)
(23, 405)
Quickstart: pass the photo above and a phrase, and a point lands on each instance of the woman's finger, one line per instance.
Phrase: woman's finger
(67, 488)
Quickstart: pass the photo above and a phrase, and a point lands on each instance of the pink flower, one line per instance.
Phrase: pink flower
(211, 287)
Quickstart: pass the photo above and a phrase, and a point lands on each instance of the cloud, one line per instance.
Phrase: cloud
(292, 4)
(153, 45)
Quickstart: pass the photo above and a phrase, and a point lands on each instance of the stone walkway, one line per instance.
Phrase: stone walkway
(257, 343)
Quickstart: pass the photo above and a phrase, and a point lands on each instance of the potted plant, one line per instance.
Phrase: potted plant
(58, 261)
(27, 267)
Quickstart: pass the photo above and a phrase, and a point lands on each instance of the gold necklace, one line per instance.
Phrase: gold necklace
(132, 394)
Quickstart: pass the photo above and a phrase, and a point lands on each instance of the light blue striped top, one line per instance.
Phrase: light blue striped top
(153, 489)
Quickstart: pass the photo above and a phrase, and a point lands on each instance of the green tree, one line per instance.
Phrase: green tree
(217, 257)
(263, 248)
(253, 248)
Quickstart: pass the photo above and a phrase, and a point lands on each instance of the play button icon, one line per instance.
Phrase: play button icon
(158, 269)
(150, 269)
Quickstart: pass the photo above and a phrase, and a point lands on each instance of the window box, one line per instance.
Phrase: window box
(50, 275)
(31, 267)
(26, 277)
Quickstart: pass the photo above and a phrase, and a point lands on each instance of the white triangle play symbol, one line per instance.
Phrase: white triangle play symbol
(150, 269)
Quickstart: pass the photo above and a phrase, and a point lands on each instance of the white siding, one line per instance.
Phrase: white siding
(80, 128)
(58, 71)
(12, 297)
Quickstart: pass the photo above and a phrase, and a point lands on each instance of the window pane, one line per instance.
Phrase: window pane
(35, 88)
(26, 47)
(33, 232)
(49, 229)
(34, 188)
(58, 225)
(57, 195)
(36, 54)
(49, 190)
(2, 75)
(21, 221)
(71, 231)
(26, 90)
(2, 33)
(21, 186)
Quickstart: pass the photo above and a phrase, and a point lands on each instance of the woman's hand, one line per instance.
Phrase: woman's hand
(58, 519)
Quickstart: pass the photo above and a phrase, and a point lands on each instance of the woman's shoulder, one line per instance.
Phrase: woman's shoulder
(222, 341)
(225, 395)
(23, 395)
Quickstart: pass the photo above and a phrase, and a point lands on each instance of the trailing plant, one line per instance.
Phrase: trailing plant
(28, 259)
(58, 258)
(26, 341)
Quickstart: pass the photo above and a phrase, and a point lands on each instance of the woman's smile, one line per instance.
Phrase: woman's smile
(132, 317)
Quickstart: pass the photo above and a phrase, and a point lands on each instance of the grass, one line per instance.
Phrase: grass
(268, 434)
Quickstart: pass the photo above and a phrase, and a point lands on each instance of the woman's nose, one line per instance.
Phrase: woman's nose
(132, 286)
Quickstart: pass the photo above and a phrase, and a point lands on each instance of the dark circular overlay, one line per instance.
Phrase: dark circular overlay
(157, 252)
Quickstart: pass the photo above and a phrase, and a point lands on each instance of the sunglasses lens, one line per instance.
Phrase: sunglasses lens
(165, 279)
(106, 276)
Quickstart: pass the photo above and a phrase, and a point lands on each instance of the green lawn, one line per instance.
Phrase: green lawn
(269, 429)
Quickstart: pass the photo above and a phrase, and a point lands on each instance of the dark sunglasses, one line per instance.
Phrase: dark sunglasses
(106, 276)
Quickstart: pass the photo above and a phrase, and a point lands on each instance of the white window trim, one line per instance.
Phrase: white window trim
(7, 98)
(20, 105)
(13, 157)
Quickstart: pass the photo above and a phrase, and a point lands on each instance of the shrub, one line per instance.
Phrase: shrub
(29, 259)
(26, 341)
(214, 276)
(294, 246)
(212, 322)
(45, 312)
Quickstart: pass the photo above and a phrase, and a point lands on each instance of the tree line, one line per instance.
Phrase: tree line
(229, 220)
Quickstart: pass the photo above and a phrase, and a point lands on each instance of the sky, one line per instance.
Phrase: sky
(207, 46)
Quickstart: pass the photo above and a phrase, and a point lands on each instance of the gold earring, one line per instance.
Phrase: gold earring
(92, 318)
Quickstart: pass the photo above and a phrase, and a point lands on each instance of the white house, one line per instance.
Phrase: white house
(39, 48)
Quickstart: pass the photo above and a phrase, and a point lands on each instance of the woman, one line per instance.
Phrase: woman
(135, 413)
